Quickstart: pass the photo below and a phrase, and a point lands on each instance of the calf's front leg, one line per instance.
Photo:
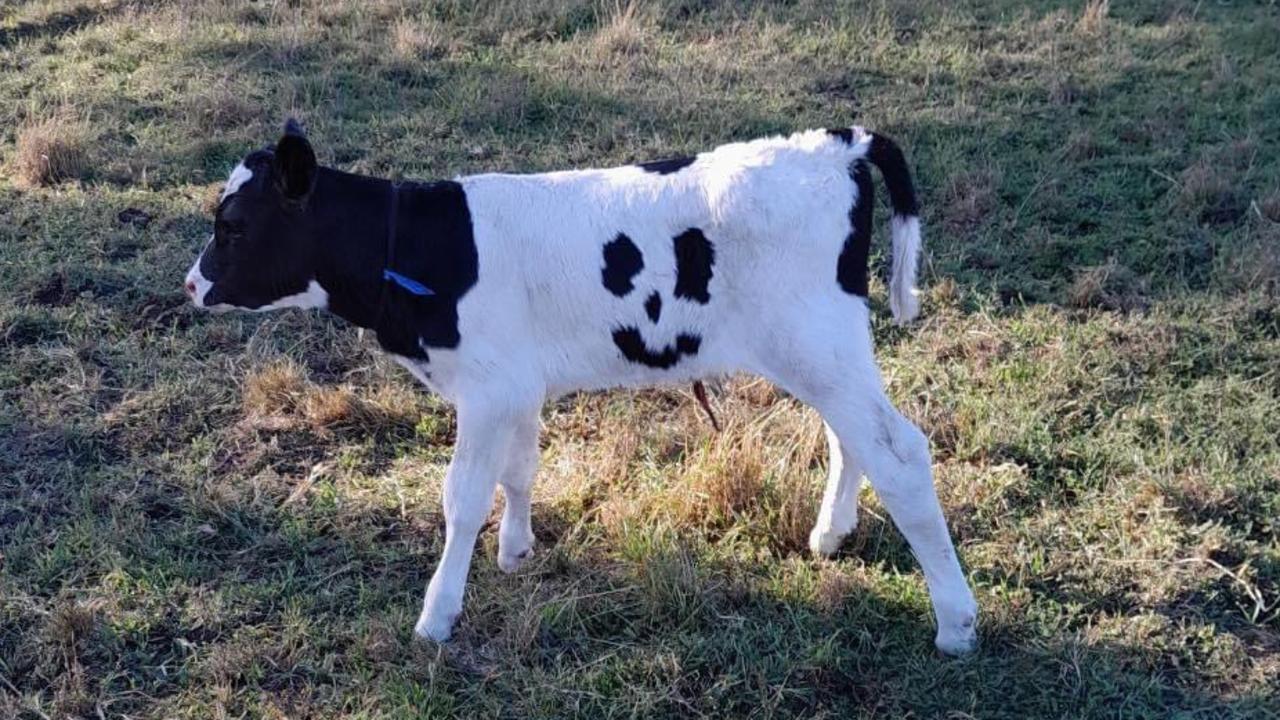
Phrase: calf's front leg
(486, 436)
(515, 534)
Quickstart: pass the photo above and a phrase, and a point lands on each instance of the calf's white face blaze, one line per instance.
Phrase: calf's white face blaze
(501, 291)
(239, 176)
(197, 284)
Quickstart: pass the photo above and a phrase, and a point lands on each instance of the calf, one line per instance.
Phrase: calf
(501, 291)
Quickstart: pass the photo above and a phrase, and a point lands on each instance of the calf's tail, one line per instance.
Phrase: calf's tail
(905, 225)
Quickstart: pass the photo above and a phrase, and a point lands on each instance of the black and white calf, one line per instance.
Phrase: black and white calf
(501, 291)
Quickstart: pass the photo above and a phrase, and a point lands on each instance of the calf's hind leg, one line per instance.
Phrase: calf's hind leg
(839, 513)
(839, 377)
(896, 456)
(515, 534)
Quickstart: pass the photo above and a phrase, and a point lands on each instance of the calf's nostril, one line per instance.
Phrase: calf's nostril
(191, 288)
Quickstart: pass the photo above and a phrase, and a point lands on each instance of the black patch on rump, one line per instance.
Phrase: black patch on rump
(666, 167)
(630, 342)
(885, 154)
(694, 257)
(851, 267)
(622, 262)
(653, 307)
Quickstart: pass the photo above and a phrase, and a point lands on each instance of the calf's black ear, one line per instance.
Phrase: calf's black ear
(295, 162)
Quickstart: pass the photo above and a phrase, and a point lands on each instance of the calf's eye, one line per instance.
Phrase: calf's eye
(227, 233)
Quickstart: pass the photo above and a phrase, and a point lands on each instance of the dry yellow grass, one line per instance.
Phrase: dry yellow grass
(275, 389)
(625, 30)
(1094, 16)
(1110, 285)
(969, 197)
(280, 395)
(50, 151)
(1203, 183)
(417, 39)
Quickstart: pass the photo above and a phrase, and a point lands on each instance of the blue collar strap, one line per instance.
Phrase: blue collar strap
(390, 276)
(407, 283)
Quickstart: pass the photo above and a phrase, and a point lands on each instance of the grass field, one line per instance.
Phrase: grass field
(235, 516)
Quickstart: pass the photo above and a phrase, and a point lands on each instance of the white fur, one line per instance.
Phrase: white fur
(239, 176)
(196, 278)
(903, 302)
(314, 297)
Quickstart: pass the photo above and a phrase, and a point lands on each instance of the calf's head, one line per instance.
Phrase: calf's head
(262, 252)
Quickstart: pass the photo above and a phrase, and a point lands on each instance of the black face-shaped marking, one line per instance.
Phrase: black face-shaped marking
(632, 345)
(667, 166)
(653, 307)
(694, 257)
(622, 262)
(851, 266)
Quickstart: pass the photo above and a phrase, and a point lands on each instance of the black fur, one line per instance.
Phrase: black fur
(630, 342)
(851, 266)
(667, 166)
(435, 246)
(695, 256)
(653, 307)
(844, 133)
(622, 262)
(886, 156)
(257, 227)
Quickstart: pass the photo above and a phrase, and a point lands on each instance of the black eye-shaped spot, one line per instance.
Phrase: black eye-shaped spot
(622, 262)
(695, 256)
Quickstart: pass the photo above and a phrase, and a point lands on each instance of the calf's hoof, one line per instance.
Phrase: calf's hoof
(435, 627)
(511, 562)
(825, 543)
(958, 639)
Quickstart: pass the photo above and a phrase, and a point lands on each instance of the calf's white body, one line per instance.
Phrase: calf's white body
(775, 215)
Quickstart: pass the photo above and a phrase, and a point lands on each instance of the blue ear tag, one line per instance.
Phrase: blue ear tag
(409, 284)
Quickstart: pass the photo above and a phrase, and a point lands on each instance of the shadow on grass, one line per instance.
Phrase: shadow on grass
(147, 589)
(63, 23)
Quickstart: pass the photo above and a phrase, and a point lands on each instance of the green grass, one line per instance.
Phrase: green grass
(234, 516)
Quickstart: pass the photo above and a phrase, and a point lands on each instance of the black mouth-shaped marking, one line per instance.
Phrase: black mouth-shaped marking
(630, 342)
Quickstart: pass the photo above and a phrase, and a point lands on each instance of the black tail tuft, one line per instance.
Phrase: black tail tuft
(885, 155)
